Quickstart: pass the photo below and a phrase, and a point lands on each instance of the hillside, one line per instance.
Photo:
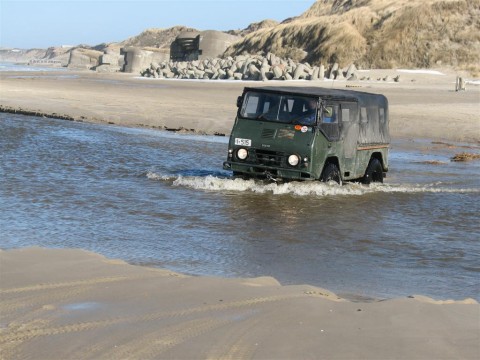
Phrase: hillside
(157, 38)
(377, 34)
(264, 24)
(369, 33)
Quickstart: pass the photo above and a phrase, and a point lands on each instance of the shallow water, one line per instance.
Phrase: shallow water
(161, 199)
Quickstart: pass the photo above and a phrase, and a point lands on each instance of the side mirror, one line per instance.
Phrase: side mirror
(328, 111)
(239, 101)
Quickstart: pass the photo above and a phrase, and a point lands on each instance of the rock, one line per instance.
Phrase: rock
(352, 77)
(247, 67)
(299, 72)
(265, 64)
(263, 75)
(199, 73)
(396, 78)
(253, 72)
(321, 73)
(237, 76)
(277, 72)
(333, 71)
(351, 69)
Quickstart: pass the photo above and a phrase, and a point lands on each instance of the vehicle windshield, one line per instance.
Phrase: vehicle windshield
(287, 109)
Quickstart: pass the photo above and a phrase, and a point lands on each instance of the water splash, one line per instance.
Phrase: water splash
(215, 183)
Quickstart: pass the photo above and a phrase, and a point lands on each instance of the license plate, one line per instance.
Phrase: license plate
(243, 142)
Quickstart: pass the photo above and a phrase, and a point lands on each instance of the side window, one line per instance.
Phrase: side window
(329, 125)
(373, 114)
(329, 115)
(381, 112)
(349, 112)
(266, 106)
(289, 103)
(251, 105)
(363, 115)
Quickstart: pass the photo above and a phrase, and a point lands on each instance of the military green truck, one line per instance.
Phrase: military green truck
(309, 133)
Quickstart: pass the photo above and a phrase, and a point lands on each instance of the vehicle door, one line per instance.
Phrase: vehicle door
(349, 129)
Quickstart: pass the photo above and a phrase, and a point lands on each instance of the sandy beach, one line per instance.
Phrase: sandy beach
(422, 104)
(69, 303)
(60, 304)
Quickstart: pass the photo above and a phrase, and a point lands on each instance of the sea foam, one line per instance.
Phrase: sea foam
(307, 188)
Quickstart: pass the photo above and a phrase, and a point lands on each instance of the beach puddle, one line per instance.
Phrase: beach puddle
(83, 306)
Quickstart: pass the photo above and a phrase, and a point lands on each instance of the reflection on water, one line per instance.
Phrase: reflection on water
(161, 199)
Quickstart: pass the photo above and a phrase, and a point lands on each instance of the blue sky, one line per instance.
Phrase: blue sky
(40, 24)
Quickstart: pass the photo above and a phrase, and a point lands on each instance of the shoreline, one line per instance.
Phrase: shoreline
(421, 106)
(21, 111)
(57, 303)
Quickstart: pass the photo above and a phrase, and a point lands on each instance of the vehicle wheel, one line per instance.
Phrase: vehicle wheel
(374, 172)
(331, 173)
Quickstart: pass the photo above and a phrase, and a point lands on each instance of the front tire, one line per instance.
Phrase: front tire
(374, 172)
(331, 173)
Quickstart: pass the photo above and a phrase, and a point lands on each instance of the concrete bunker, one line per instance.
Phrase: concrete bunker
(193, 45)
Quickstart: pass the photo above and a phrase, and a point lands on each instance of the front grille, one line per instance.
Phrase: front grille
(268, 158)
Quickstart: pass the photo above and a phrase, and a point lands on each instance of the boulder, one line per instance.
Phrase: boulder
(253, 72)
(300, 72)
(321, 72)
(351, 69)
(277, 72)
(333, 72)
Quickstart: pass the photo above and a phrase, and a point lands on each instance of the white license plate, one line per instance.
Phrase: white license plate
(243, 142)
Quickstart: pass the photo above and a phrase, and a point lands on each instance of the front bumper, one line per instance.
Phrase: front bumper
(264, 171)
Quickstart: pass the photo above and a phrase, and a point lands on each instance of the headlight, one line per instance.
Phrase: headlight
(293, 160)
(242, 154)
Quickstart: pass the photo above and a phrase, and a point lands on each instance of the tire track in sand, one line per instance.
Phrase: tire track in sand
(234, 343)
(156, 343)
(25, 301)
(93, 281)
(30, 333)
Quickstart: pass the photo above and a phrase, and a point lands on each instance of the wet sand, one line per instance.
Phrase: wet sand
(61, 304)
(58, 304)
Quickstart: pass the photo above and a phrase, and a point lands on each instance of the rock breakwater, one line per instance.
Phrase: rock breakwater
(248, 67)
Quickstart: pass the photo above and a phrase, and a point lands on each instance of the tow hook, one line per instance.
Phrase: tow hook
(270, 177)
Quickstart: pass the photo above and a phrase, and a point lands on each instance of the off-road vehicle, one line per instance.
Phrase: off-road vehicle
(310, 133)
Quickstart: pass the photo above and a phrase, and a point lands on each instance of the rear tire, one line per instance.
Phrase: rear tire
(374, 172)
(331, 173)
